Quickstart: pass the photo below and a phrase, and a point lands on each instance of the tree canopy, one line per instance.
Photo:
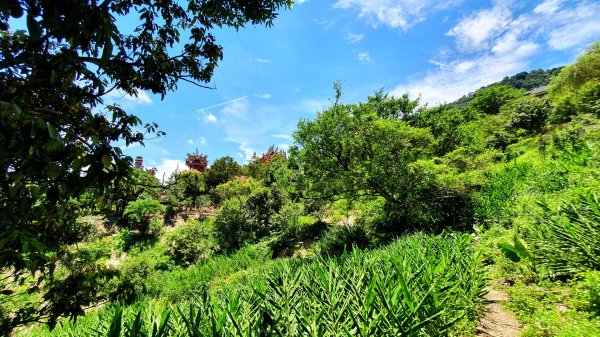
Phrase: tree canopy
(56, 135)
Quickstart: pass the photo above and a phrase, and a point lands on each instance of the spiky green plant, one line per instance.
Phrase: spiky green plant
(571, 242)
(418, 286)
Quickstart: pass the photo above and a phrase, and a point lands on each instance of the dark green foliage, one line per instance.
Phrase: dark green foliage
(191, 242)
(530, 80)
(444, 124)
(339, 239)
(221, 171)
(135, 184)
(56, 137)
(188, 188)
(231, 224)
(247, 219)
(132, 282)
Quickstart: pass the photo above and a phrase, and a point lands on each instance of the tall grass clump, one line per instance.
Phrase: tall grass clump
(418, 286)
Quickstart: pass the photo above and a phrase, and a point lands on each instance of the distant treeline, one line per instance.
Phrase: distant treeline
(523, 80)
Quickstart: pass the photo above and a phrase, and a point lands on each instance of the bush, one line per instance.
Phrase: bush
(489, 100)
(191, 242)
(342, 238)
(135, 271)
(231, 224)
(139, 213)
(588, 292)
(529, 113)
(587, 98)
(294, 229)
(236, 188)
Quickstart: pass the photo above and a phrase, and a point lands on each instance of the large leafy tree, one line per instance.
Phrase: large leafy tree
(221, 171)
(56, 136)
(365, 149)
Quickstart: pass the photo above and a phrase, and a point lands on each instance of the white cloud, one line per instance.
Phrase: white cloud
(364, 57)
(493, 43)
(265, 96)
(167, 167)
(288, 137)
(300, 2)
(190, 142)
(284, 146)
(264, 61)
(548, 7)
(297, 89)
(574, 26)
(453, 79)
(476, 32)
(209, 118)
(355, 38)
(394, 13)
(202, 141)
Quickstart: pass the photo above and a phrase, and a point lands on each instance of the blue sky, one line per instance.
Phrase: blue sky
(272, 77)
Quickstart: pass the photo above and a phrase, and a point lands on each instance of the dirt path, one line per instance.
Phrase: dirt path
(498, 322)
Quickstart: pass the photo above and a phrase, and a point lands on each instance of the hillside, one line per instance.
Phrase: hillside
(383, 219)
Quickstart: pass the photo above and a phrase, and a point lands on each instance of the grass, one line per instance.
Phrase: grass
(548, 308)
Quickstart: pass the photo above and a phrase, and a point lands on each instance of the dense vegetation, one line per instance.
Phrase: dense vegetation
(385, 218)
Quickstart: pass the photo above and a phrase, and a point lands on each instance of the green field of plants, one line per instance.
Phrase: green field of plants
(385, 217)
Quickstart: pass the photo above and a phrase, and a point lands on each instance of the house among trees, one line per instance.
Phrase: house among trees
(539, 91)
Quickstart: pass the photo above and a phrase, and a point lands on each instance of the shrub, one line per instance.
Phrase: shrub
(231, 224)
(139, 213)
(588, 292)
(135, 271)
(489, 100)
(342, 238)
(529, 113)
(587, 98)
(236, 188)
(191, 242)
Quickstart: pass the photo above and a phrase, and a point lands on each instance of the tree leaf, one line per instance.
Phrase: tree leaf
(52, 131)
(106, 161)
(509, 251)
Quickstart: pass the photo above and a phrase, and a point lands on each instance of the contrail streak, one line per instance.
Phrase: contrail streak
(214, 106)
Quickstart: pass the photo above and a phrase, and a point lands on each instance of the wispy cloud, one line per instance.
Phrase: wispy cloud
(282, 136)
(493, 43)
(364, 57)
(208, 117)
(265, 96)
(477, 31)
(355, 38)
(395, 13)
(264, 61)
